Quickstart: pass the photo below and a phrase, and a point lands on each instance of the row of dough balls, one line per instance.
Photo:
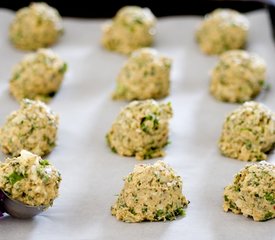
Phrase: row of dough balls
(134, 27)
(36, 78)
(237, 77)
(39, 26)
(31, 131)
(141, 130)
(154, 193)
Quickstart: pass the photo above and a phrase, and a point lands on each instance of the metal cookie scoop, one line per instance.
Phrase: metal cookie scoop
(18, 209)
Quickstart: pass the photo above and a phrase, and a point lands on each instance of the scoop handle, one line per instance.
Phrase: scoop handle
(2, 208)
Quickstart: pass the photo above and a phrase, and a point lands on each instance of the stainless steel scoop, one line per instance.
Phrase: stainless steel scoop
(18, 209)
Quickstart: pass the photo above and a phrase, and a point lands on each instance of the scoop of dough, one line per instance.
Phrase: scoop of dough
(238, 76)
(252, 192)
(141, 130)
(30, 179)
(222, 30)
(33, 127)
(36, 26)
(145, 75)
(131, 28)
(150, 193)
(38, 76)
(248, 133)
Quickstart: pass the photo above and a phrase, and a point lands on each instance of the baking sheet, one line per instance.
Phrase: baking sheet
(92, 174)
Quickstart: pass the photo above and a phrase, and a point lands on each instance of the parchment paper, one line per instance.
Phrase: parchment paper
(92, 174)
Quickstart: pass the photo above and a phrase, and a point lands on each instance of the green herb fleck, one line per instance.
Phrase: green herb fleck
(232, 205)
(64, 68)
(179, 212)
(114, 150)
(270, 197)
(132, 210)
(130, 178)
(226, 198)
(15, 177)
(268, 215)
(138, 21)
(153, 71)
(144, 210)
(159, 214)
(44, 163)
(150, 153)
(237, 188)
(169, 216)
(261, 82)
(149, 122)
(167, 143)
(248, 144)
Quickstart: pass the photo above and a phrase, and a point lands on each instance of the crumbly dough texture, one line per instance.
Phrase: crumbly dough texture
(33, 127)
(252, 192)
(38, 76)
(36, 26)
(132, 28)
(30, 179)
(238, 76)
(150, 193)
(141, 129)
(248, 133)
(145, 75)
(222, 30)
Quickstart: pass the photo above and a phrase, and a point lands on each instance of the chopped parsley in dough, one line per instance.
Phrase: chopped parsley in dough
(141, 129)
(252, 192)
(248, 133)
(36, 26)
(150, 193)
(132, 28)
(222, 30)
(145, 75)
(30, 179)
(38, 76)
(33, 127)
(238, 76)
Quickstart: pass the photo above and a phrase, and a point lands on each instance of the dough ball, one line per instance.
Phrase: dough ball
(30, 179)
(238, 76)
(248, 133)
(150, 193)
(133, 27)
(33, 127)
(141, 129)
(145, 75)
(36, 26)
(222, 30)
(252, 192)
(38, 76)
